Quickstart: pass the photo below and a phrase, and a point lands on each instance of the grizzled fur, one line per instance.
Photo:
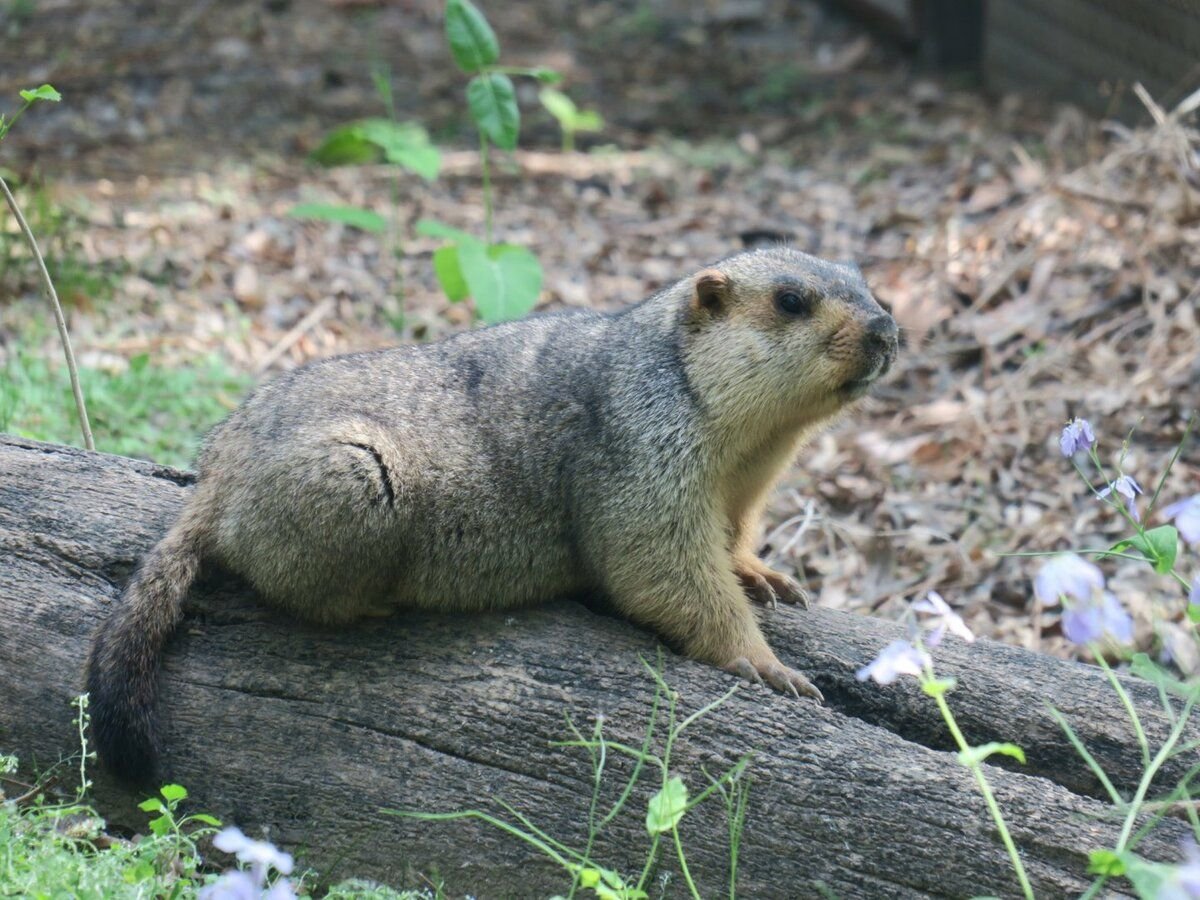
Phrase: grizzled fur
(628, 454)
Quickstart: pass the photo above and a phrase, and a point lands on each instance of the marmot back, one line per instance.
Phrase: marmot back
(628, 454)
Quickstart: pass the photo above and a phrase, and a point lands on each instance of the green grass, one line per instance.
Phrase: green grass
(53, 850)
(144, 410)
(50, 850)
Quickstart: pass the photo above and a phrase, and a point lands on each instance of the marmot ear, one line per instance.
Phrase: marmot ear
(712, 291)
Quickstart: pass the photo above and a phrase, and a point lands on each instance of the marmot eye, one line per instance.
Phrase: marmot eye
(792, 304)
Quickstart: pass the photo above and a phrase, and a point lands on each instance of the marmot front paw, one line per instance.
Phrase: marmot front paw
(777, 675)
(766, 586)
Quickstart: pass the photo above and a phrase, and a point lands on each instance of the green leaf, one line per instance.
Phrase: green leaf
(589, 878)
(152, 805)
(139, 872)
(559, 105)
(472, 42)
(425, 160)
(1105, 862)
(139, 362)
(1159, 545)
(402, 143)
(161, 825)
(936, 687)
(355, 216)
(546, 75)
(206, 819)
(667, 807)
(504, 280)
(1193, 612)
(449, 273)
(346, 146)
(434, 228)
(589, 120)
(972, 756)
(493, 105)
(173, 792)
(45, 92)
(1149, 879)
(405, 144)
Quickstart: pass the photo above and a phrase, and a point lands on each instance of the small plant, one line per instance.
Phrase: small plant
(1092, 616)
(504, 280)
(30, 97)
(664, 812)
(911, 657)
(403, 145)
(571, 119)
(56, 849)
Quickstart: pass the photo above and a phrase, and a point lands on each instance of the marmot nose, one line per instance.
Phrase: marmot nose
(880, 336)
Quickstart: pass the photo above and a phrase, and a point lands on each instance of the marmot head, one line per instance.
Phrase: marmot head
(779, 328)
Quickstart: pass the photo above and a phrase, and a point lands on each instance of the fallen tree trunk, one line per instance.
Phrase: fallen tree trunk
(310, 733)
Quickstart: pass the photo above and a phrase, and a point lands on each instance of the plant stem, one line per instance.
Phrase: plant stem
(683, 866)
(487, 187)
(1164, 753)
(986, 790)
(1126, 702)
(7, 126)
(58, 315)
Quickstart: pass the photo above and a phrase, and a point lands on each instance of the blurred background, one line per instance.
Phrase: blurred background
(1019, 180)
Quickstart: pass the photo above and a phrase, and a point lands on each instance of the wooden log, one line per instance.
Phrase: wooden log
(309, 733)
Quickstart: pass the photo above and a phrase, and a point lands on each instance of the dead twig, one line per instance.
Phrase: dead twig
(284, 344)
(59, 319)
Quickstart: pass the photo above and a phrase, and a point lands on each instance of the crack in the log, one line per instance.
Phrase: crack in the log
(374, 729)
(48, 554)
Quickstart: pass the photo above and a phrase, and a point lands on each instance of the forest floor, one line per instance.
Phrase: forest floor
(1042, 265)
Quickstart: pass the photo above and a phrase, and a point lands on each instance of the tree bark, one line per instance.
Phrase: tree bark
(310, 733)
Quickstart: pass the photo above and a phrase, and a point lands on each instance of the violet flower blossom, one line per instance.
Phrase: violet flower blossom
(261, 857)
(1128, 488)
(1075, 437)
(1183, 882)
(941, 619)
(1084, 623)
(234, 885)
(896, 659)
(1186, 514)
(1067, 574)
(1089, 611)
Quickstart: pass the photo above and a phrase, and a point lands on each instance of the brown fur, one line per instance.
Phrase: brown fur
(628, 455)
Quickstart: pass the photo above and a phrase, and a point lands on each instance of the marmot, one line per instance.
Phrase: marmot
(627, 454)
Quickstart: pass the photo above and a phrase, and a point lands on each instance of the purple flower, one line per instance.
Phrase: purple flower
(238, 885)
(896, 659)
(1186, 514)
(1194, 594)
(941, 619)
(1183, 881)
(1067, 575)
(233, 885)
(281, 890)
(1075, 437)
(259, 854)
(1127, 488)
(1091, 620)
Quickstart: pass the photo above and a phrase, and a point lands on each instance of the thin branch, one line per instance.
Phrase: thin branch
(58, 316)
